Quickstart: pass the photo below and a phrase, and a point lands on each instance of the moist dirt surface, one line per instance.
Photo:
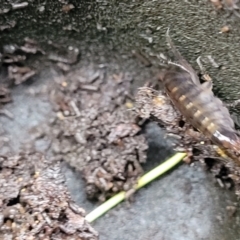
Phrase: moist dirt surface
(68, 76)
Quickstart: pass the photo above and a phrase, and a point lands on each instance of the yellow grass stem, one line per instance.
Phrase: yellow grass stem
(144, 180)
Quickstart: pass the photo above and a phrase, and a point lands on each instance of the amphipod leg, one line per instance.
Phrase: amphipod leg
(203, 72)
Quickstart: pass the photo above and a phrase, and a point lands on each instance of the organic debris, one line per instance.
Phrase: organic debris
(8, 25)
(97, 134)
(225, 29)
(35, 203)
(20, 74)
(15, 57)
(16, 6)
(5, 95)
(61, 55)
(15, 62)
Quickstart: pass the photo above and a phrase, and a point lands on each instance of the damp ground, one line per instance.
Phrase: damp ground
(187, 203)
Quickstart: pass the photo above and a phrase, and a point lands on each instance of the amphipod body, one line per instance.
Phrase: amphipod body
(198, 105)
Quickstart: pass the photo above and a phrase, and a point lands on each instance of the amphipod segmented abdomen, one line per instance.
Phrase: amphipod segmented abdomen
(198, 104)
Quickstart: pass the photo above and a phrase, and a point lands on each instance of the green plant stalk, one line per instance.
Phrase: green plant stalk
(144, 180)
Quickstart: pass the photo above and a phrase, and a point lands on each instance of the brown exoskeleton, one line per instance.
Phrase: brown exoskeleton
(197, 104)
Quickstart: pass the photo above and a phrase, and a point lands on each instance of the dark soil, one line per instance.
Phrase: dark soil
(35, 203)
(96, 131)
